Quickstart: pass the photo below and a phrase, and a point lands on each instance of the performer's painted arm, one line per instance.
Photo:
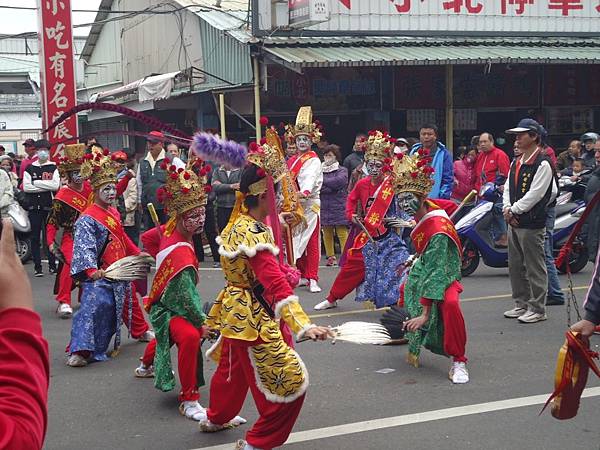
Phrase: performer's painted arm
(24, 371)
(279, 293)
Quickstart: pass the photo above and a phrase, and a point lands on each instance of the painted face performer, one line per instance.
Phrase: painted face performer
(174, 305)
(68, 203)
(431, 291)
(306, 169)
(252, 353)
(371, 266)
(99, 240)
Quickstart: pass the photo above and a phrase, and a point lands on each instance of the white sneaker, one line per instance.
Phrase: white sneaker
(206, 426)
(459, 373)
(144, 372)
(314, 287)
(193, 410)
(532, 317)
(325, 304)
(515, 313)
(147, 336)
(303, 282)
(64, 311)
(76, 360)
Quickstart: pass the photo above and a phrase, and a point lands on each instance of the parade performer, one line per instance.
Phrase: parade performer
(379, 249)
(306, 170)
(432, 289)
(68, 203)
(99, 241)
(252, 352)
(174, 305)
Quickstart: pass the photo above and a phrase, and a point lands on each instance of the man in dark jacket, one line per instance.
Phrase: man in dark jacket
(40, 181)
(591, 318)
(357, 157)
(593, 221)
(225, 181)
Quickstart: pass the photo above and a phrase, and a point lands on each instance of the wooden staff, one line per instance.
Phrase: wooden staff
(462, 204)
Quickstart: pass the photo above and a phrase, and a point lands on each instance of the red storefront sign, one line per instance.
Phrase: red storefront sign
(57, 69)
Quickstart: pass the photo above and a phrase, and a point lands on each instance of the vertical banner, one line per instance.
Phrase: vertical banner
(57, 69)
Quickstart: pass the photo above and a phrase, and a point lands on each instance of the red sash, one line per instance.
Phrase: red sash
(376, 213)
(178, 259)
(432, 225)
(297, 163)
(116, 248)
(72, 198)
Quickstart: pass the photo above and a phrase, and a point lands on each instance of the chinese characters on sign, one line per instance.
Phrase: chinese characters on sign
(476, 7)
(57, 69)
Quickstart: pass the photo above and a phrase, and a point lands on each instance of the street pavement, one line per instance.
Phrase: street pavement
(349, 404)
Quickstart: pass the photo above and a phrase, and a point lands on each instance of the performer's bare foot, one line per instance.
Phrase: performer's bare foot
(325, 304)
(459, 373)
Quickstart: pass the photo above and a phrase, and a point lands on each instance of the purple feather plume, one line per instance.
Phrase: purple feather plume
(212, 148)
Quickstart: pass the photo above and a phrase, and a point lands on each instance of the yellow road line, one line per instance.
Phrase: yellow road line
(468, 299)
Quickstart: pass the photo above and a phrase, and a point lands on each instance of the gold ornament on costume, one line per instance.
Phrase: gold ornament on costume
(379, 146)
(412, 173)
(74, 156)
(304, 126)
(185, 189)
(99, 167)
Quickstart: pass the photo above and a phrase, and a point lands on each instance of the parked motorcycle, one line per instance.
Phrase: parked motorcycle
(474, 232)
(21, 225)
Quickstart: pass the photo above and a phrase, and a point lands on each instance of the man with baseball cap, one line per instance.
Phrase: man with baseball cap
(527, 192)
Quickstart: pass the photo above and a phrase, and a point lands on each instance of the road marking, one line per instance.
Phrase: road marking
(409, 419)
(468, 299)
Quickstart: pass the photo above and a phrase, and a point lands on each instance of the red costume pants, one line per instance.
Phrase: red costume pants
(228, 389)
(308, 263)
(65, 282)
(349, 277)
(187, 339)
(138, 322)
(455, 331)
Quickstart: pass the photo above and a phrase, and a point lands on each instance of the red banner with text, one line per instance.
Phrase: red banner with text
(57, 69)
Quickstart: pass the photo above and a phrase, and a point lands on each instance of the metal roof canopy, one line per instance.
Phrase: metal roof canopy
(17, 83)
(419, 52)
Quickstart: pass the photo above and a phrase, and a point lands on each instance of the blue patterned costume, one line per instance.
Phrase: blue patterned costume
(382, 282)
(99, 316)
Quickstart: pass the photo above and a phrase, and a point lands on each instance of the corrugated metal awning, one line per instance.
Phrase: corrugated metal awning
(419, 52)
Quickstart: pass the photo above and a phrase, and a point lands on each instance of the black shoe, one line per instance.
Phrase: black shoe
(38, 273)
(553, 301)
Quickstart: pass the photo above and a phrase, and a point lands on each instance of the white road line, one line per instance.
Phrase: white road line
(409, 419)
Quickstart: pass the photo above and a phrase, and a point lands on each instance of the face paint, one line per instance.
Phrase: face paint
(43, 155)
(408, 202)
(374, 168)
(108, 193)
(193, 221)
(76, 177)
(303, 143)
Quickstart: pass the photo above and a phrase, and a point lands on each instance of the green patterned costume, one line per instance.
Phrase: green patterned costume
(180, 298)
(431, 274)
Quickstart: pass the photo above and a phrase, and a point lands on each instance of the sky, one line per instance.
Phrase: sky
(21, 21)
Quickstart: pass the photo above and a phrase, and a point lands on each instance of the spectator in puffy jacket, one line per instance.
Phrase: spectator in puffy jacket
(356, 158)
(333, 202)
(464, 173)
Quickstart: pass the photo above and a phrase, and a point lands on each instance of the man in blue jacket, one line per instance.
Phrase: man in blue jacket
(441, 161)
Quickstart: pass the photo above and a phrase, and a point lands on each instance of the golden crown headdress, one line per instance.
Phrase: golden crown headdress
(74, 155)
(304, 126)
(99, 167)
(379, 146)
(185, 188)
(412, 173)
(270, 158)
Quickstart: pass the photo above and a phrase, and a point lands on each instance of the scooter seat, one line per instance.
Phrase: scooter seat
(561, 210)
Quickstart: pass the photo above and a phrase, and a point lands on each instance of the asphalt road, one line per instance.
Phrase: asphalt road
(349, 404)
